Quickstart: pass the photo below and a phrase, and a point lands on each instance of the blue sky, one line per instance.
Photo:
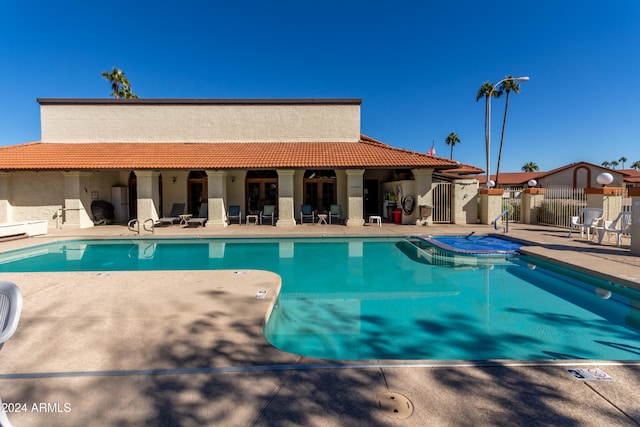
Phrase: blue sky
(417, 65)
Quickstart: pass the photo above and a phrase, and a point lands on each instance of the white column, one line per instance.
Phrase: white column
(148, 195)
(77, 200)
(355, 207)
(217, 198)
(5, 203)
(424, 195)
(286, 212)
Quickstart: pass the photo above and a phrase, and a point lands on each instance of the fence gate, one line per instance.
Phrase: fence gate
(511, 203)
(442, 198)
(560, 204)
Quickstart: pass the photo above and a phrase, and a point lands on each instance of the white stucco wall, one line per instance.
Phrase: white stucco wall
(94, 121)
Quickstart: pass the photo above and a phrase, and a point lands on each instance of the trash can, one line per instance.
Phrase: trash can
(397, 216)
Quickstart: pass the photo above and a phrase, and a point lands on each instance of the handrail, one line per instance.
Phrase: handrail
(506, 227)
(153, 225)
(131, 224)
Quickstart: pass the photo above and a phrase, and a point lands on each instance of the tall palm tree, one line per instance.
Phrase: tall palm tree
(452, 140)
(606, 164)
(507, 86)
(636, 165)
(622, 160)
(529, 167)
(487, 91)
(120, 86)
(614, 163)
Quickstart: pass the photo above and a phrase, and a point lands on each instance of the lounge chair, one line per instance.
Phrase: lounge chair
(618, 226)
(306, 211)
(335, 211)
(10, 309)
(269, 211)
(234, 213)
(589, 217)
(174, 216)
(203, 215)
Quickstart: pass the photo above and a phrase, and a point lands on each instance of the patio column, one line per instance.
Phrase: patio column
(217, 198)
(5, 205)
(77, 200)
(465, 204)
(424, 195)
(148, 195)
(609, 199)
(634, 193)
(490, 204)
(286, 211)
(530, 200)
(355, 206)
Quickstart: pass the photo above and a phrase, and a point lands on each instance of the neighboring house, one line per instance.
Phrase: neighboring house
(144, 155)
(574, 175)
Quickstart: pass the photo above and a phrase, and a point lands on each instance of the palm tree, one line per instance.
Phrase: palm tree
(120, 86)
(636, 165)
(622, 160)
(510, 84)
(614, 163)
(606, 164)
(452, 140)
(487, 91)
(529, 167)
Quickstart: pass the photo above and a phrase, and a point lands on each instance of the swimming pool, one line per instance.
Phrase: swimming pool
(391, 298)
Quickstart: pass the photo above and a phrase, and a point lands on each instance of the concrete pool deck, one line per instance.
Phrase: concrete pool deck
(186, 348)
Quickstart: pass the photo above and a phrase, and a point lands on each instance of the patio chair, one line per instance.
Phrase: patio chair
(234, 213)
(335, 211)
(269, 211)
(589, 217)
(203, 215)
(618, 226)
(174, 216)
(306, 211)
(10, 309)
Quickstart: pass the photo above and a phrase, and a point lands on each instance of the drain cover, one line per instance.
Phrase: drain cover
(395, 405)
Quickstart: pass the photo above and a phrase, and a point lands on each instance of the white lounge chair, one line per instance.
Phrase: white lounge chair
(618, 226)
(10, 309)
(587, 219)
(203, 215)
(174, 216)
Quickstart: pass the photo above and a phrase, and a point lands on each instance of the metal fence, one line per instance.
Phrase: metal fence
(560, 204)
(442, 197)
(511, 203)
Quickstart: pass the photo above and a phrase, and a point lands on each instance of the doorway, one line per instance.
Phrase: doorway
(371, 199)
(196, 191)
(261, 189)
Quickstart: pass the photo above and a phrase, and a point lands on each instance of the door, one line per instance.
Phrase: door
(371, 200)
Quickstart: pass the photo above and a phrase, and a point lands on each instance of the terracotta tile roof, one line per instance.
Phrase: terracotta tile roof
(83, 156)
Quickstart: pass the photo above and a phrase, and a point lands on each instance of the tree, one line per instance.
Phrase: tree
(120, 86)
(452, 140)
(507, 86)
(614, 163)
(636, 165)
(529, 167)
(606, 164)
(487, 91)
(622, 160)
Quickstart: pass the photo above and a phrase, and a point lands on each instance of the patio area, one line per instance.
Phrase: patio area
(126, 348)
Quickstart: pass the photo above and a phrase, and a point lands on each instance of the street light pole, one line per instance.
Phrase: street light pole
(487, 135)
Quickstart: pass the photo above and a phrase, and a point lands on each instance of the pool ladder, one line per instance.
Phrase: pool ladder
(134, 225)
(503, 227)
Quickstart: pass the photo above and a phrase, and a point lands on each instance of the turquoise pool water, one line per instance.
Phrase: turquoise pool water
(391, 298)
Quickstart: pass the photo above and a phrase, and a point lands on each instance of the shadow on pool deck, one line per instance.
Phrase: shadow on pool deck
(87, 342)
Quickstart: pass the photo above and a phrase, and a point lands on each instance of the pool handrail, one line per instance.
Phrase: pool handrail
(504, 213)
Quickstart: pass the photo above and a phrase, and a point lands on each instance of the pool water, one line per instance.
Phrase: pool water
(392, 298)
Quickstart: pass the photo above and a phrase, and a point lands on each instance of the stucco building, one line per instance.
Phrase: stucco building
(144, 155)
